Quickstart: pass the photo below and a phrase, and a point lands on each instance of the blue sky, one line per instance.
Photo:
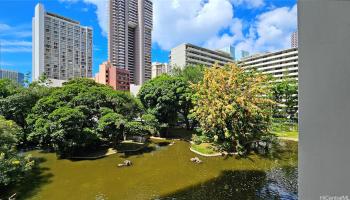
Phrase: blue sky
(252, 25)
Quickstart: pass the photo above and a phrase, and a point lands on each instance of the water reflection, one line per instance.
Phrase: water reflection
(163, 171)
(231, 185)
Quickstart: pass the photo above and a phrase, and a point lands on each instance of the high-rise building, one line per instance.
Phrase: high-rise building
(117, 78)
(230, 50)
(62, 48)
(189, 54)
(12, 75)
(130, 37)
(294, 40)
(279, 64)
(160, 68)
(242, 54)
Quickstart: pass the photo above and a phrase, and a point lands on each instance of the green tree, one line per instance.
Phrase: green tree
(112, 126)
(13, 167)
(151, 124)
(18, 105)
(233, 107)
(97, 111)
(67, 132)
(190, 73)
(8, 88)
(285, 94)
(165, 97)
(136, 128)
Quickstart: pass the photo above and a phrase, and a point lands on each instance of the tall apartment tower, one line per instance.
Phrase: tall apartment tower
(62, 48)
(130, 38)
(294, 40)
(230, 50)
(12, 75)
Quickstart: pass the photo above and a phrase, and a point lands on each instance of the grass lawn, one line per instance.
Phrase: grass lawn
(288, 134)
(205, 148)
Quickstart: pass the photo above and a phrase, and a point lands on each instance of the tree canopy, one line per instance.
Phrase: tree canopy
(167, 97)
(18, 101)
(285, 93)
(233, 107)
(190, 73)
(8, 88)
(13, 166)
(75, 116)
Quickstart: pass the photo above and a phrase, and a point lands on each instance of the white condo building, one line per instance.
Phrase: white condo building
(189, 54)
(130, 37)
(279, 64)
(160, 68)
(62, 48)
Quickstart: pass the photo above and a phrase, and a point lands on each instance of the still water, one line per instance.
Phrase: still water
(165, 172)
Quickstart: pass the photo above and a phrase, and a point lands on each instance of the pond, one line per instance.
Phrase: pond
(165, 172)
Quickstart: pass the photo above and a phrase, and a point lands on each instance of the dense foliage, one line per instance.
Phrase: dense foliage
(17, 101)
(166, 97)
(13, 166)
(190, 73)
(8, 88)
(233, 107)
(169, 98)
(230, 106)
(79, 115)
(285, 93)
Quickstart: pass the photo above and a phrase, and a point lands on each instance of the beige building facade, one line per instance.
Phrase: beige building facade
(279, 64)
(189, 54)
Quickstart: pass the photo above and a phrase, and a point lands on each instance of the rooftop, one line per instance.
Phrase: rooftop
(63, 18)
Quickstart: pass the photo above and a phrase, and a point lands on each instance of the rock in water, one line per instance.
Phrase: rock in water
(127, 162)
(196, 160)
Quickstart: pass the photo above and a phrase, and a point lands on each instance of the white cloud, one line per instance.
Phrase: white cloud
(178, 21)
(15, 43)
(13, 39)
(235, 34)
(15, 46)
(270, 32)
(249, 3)
(275, 27)
(4, 27)
(202, 22)
(195, 21)
(16, 49)
(2, 63)
(20, 31)
(102, 12)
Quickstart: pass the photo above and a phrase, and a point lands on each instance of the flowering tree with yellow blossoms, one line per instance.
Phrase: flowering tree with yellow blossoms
(233, 107)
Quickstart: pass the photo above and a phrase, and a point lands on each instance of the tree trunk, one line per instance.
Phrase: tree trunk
(188, 127)
(115, 142)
